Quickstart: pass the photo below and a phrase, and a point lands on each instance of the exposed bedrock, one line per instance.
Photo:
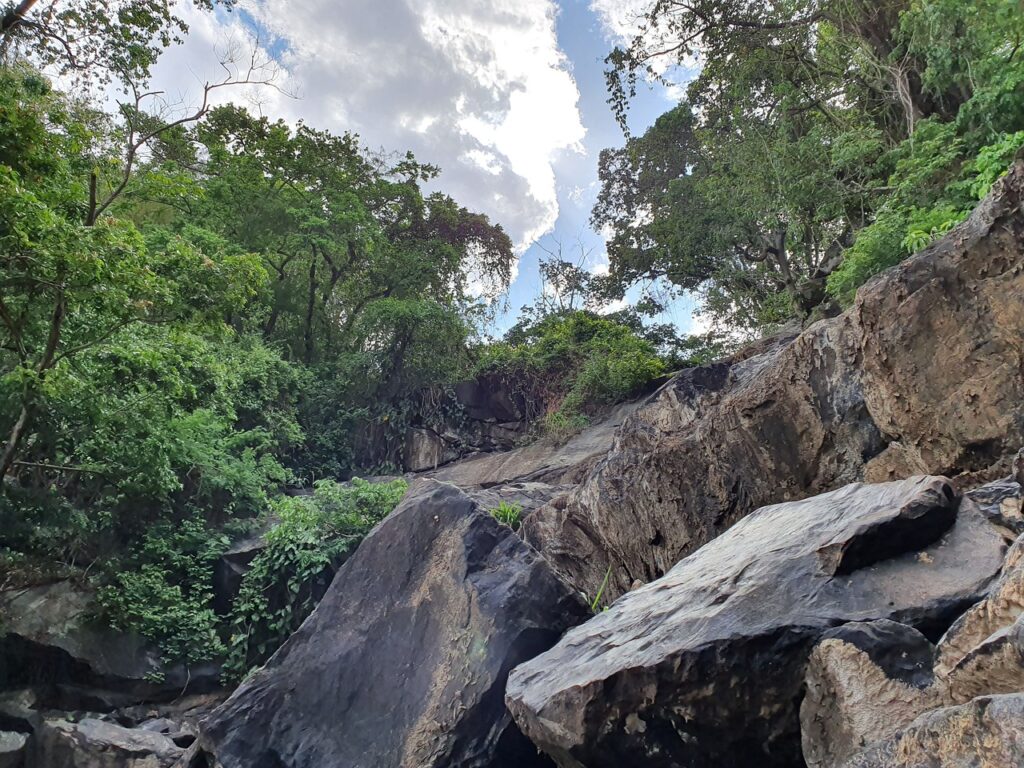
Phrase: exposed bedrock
(923, 375)
(705, 666)
(404, 661)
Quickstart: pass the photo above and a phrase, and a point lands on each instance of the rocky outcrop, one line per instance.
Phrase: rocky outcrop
(12, 749)
(921, 375)
(51, 639)
(705, 666)
(93, 743)
(987, 732)
(404, 661)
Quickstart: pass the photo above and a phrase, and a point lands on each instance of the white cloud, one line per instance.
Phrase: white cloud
(478, 87)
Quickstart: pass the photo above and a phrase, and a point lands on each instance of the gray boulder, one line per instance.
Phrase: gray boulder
(404, 662)
(12, 749)
(705, 666)
(95, 743)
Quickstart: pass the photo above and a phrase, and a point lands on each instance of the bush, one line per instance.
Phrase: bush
(508, 514)
(575, 362)
(312, 537)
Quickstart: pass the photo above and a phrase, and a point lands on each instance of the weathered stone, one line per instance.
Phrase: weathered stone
(541, 461)
(1001, 503)
(51, 638)
(921, 375)
(99, 744)
(19, 710)
(865, 681)
(705, 666)
(987, 732)
(404, 661)
(12, 749)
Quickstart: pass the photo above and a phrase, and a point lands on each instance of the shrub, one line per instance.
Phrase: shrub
(508, 514)
(312, 537)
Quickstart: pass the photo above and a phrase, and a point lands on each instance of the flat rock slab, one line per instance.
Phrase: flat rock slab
(405, 660)
(705, 666)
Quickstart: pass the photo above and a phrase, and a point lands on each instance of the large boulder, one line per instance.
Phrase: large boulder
(705, 666)
(921, 376)
(93, 743)
(987, 732)
(51, 639)
(404, 662)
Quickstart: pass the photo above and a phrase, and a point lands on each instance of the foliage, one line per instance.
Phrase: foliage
(576, 362)
(508, 514)
(818, 133)
(162, 591)
(312, 536)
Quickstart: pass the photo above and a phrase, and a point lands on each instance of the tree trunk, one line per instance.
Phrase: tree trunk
(308, 343)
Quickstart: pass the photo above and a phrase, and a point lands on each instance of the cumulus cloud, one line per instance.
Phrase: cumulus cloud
(477, 87)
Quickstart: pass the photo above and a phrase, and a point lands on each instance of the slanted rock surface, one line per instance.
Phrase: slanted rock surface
(705, 666)
(404, 662)
(987, 732)
(922, 375)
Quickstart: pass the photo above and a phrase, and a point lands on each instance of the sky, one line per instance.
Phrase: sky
(508, 98)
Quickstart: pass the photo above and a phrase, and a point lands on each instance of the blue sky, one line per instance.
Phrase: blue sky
(507, 98)
(586, 41)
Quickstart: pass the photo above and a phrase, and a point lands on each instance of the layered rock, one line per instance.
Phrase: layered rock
(705, 666)
(921, 375)
(868, 682)
(404, 662)
(987, 732)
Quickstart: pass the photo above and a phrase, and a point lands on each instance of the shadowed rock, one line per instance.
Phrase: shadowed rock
(705, 666)
(404, 662)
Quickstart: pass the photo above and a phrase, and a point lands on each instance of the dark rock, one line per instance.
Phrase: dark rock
(920, 376)
(404, 662)
(705, 666)
(94, 743)
(987, 732)
(51, 640)
(232, 566)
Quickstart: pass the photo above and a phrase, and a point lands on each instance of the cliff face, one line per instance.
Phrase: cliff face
(923, 375)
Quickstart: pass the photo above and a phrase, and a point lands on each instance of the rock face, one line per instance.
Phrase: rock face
(921, 375)
(49, 637)
(987, 732)
(404, 661)
(705, 666)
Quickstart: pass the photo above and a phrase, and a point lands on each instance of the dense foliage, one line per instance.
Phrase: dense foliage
(822, 141)
(203, 309)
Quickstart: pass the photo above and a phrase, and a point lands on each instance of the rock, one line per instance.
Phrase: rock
(51, 638)
(987, 732)
(542, 461)
(1000, 501)
(705, 666)
(12, 749)
(97, 744)
(425, 449)
(404, 661)
(527, 496)
(232, 566)
(865, 681)
(18, 710)
(920, 376)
